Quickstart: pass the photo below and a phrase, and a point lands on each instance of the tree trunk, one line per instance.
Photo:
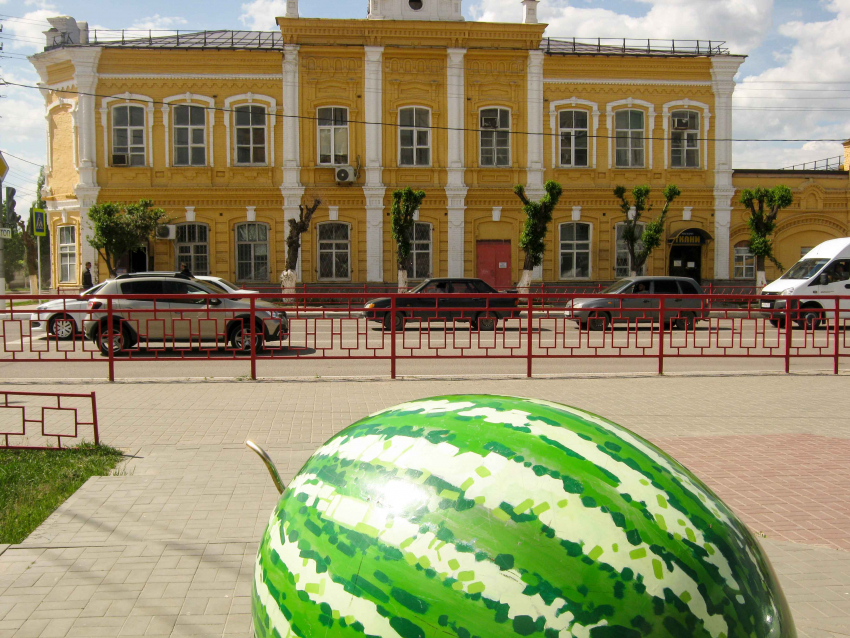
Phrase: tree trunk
(288, 280)
(34, 287)
(402, 280)
(761, 275)
(525, 281)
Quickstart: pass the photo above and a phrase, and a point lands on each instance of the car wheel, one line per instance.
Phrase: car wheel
(777, 323)
(486, 322)
(122, 341)
(240, 338)
(62, 327)
(812, 320)
(686, 322)
(399, 321)
(598, 321)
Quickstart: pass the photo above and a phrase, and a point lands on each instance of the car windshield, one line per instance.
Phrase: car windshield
(223, 283)
(93, 290)
(214, 285)
(805, 268)
(421, 286)
(616, 287)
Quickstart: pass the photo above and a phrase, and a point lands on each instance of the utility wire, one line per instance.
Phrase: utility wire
(8, 154)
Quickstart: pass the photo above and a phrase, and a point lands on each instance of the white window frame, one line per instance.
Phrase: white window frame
(574, 104)
(631, 139)
(625, 250)
(481, 132)
(575, 252)
(705, 127)
(649, 125)
(333, 128)
(130, 129)
(686, 138)
(253, 243)
(65, 249)
(333, 251)
(107, 104)
(747, 261)
(416, 130)
(572, 131)
(189, 99)
(192, 244)
(245, 99)
(411, 273)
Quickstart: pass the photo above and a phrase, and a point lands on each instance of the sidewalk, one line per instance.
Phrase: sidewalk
(166, 548)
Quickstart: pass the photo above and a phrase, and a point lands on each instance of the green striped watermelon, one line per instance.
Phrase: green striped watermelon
(488, 516)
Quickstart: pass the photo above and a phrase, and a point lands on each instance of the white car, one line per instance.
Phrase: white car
(225, 285)
(64, 318)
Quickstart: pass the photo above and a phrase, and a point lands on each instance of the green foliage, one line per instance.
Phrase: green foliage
(650, 238)
(537, 218)
(405, 203)
(120, 228)
(764, 205)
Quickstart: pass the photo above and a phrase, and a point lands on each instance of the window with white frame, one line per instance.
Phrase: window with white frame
(67, 254)
(629, 137)
(190, 147)
(128, 136)
(623, 265)
(495, 125)
(414, 136)
(334, 251)
(572, 126)
(745, 261)
(333, 136)
(252, 252)
(575, 250)
(805, 250)
(193, 247)
(250, 134)
(420, 251)
(684, 139)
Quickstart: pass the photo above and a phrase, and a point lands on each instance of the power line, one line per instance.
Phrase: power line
(19, 19)
(450, 128)
(7, 153)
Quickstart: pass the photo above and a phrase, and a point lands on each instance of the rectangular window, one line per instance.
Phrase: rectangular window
(193, 247)
(623, 266)
(805, 250)
(334, 251)
(128, 136)
(252, 252)
(745, 262)
(333, 136)
(420, 251)
(250, 134)
(189, 136)
(684, 139)
(495, 125)
(67, 254)
(629, 137)
(572, 126)
(575, 251)
(414, 137)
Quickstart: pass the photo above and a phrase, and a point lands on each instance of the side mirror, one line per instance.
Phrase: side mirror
(215, 302)
(824, 280)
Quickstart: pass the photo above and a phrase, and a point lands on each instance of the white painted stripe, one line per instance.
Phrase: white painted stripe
(277, 621)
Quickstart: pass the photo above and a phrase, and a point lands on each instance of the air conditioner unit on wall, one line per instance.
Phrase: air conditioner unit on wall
(681, 124)
(345, 175)
(167, 231)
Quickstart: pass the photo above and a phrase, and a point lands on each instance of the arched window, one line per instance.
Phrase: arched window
(67, 254)
(334, 251)
(574, 250)
(193, 247)
(252, 252)
(251, 136)
(745, 261)
(572, 126)
(420, 251)
(623, 266)
(414, 136)
(190, 147)
(333, 136)
(629, 135)
(684, 139)
(128, 136)
(495, 125)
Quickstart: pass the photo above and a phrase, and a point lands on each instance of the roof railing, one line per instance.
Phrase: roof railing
(633, 46)
(828, 164)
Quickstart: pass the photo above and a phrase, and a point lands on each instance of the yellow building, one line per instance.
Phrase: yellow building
(230, 131)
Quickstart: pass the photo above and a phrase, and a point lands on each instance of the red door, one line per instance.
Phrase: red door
(494, 263)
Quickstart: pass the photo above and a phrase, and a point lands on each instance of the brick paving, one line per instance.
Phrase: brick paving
(166, 547)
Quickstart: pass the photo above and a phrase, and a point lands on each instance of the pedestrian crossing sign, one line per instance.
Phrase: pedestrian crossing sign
(39, 222)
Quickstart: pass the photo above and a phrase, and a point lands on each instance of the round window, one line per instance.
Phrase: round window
(416, 4)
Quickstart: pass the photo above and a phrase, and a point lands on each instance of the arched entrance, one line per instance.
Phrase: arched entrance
(686, 253)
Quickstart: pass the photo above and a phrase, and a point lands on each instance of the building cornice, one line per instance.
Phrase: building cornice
(626, 82)
(190, 76)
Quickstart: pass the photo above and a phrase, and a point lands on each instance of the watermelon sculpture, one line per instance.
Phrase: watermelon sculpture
(488, 516)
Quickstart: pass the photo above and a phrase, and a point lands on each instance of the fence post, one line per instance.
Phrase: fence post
(788, 334)
(253, 340)
(94, 419)
(109, 332)
(835, 334)
(392, 337)
(529, 332)
(660, 335)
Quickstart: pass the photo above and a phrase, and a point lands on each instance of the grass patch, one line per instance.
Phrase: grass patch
(33, 483)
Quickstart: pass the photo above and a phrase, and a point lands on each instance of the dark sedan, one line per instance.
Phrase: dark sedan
(482, 311)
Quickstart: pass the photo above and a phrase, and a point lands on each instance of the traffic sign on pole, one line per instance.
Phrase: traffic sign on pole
(39, 222)
(5, 233)
(4, 167)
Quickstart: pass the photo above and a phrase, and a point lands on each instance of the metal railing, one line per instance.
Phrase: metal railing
(633, 46)
(33, 413)
(828, 164)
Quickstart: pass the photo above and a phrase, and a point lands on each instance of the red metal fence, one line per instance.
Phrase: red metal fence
(37, 420)
(530, 327)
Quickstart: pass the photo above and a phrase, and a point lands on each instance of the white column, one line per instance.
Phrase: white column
(291, 189)
(374, 189)
(456, 185)
(535, 125)
(723, 70)
(529, 11)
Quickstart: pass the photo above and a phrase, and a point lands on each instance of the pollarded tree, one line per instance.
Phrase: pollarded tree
(650, 237)
(537, 218)
(405, 204)
(764, 205)
(297, 227)
(120, 228)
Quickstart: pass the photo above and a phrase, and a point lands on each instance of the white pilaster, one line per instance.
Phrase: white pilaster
(456, 184)
(291, 123)
(291, 9)
(535, 124)
(374, 189)
(723, 70)
(529, 11)
(457, 213)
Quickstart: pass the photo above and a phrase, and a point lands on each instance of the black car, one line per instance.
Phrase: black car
(483, 312)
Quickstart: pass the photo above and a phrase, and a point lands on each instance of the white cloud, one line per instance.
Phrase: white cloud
(27, 32)
(159, 22)
(260, 15)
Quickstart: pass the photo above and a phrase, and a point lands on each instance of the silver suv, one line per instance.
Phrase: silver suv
(160, 322)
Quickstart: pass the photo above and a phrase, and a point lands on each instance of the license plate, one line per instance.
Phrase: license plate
(765, 304)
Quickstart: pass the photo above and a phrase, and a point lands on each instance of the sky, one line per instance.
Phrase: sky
(793, 85)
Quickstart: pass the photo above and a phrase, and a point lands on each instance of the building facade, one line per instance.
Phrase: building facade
(230, 131)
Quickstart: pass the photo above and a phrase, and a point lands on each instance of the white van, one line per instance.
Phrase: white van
(824, 271)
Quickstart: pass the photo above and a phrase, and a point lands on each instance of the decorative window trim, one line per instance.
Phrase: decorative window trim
(319, 252)
(705, 127)
(189, 99)
(611, 108)
(127, 99)
(589, 251)
(177, 244)
(748, 257)
(348, 110)
(74, 274)
(236, 244)
(430, 250)
(414, 128)
(510, 138)
(561, 105)
(230, 105)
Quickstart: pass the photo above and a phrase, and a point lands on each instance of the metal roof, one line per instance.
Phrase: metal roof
(221, 39)
(631, 46)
